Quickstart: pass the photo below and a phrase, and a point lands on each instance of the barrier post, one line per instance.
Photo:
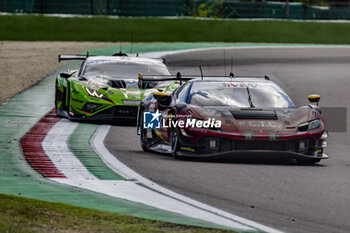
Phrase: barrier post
(92, 7)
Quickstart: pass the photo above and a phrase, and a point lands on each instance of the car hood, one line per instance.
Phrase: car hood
(132, 93)
(118, 95)
(240, 120)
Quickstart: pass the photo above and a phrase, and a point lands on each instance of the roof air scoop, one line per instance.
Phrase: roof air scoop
(120, 54)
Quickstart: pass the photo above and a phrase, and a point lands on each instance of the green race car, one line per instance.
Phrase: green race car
(106, 87)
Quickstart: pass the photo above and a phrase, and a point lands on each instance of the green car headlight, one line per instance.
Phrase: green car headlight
(314, 124)
(93, 93)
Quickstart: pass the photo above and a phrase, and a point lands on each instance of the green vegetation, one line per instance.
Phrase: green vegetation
(19, 214)
(41, 28)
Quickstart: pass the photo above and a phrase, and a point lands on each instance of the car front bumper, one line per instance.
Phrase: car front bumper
(118, 112)
(297, 148)
(254, 154)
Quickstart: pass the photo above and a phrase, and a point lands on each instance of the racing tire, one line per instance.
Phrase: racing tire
(174, 143)
(60, 97)
(56, 97)
(143, 138)
(307, 161)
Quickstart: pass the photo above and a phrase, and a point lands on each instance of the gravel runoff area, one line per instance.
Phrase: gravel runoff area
(22, 64)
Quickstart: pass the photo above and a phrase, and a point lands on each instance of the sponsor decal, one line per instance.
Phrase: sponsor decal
(102, 62)
(249, 135)
(188, 149)
(260, 124)
(152, 107)
(273, 136)
(131, 102)
(239, 85)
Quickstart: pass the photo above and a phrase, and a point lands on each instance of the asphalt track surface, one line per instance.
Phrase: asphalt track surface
(279, 194)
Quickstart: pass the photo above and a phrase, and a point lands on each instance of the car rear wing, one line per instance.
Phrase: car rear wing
(144, 78)
(152, 78)
(66, 57)
(69, 57)
(253, 76)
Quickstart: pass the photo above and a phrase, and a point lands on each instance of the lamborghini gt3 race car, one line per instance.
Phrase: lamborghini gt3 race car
(106, 87)
(232, 116)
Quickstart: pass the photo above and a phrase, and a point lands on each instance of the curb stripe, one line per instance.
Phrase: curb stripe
(56, 148)
(32, 149)
(79, 145)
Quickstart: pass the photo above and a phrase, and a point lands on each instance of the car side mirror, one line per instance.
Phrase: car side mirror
(314, 98)
(65, 75)
(163, 99)
(140, 82)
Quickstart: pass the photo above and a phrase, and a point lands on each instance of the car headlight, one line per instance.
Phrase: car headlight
(309, 125)
(93, 93)
(314, 124)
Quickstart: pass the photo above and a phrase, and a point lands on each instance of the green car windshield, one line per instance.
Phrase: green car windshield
(125, 70)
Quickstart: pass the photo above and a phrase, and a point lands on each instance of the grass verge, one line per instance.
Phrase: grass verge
(43, 28)
(19, 214)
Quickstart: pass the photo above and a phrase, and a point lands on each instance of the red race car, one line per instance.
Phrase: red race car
(230, 116)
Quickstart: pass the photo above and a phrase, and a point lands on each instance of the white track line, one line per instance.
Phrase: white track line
(239, 47)
(176, 202)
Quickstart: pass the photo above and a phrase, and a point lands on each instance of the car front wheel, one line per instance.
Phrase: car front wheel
(175, 145)
(143, 137)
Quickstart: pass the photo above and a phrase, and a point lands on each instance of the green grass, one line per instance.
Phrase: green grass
(41, 28)
(19, 214)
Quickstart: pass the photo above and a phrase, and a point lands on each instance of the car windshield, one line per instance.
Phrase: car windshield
(123, 70)
(239, 95)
